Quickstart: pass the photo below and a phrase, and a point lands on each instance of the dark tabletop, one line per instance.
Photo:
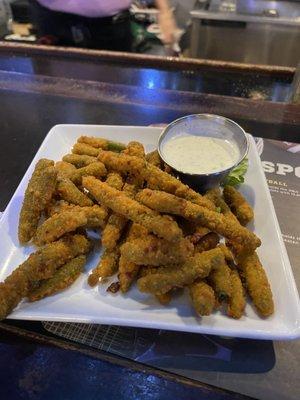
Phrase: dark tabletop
(39, 89)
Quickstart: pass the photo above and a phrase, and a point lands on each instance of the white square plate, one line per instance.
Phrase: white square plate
(80, 303)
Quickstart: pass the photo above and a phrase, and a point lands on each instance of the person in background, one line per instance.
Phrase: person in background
(98, 24)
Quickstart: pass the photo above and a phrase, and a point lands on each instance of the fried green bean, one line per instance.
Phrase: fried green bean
(238, 205)
(96, 169)
(128, 271)
(85, 149)
(64, 169)
(116, 222)
(40, 265)
(58, 225)
(115, 180)
(101, 143)
(79, 160)
(69, 192)
(215, 196)
(216, 222)
(203, 297)
(220, 281)
(107, 266)
(64, 277)
(237, 300)
(163, 226)
(196, 267)
(154, 177)
(113, 230)
(257, 284)
(198, 232)
(37, 196)
(150, 250)
(135, 149)
(207, 242)
(154, 159)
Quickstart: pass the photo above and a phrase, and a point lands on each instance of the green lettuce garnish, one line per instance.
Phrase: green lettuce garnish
(237, 175)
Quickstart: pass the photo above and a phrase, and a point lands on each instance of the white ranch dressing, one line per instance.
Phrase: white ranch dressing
(200, 154)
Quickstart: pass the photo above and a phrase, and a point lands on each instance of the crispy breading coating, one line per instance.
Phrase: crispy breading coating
(203, 297)
(220, 281)
(237, 300)
(166, 278)
(257, 284)
(79, 160)
(37, 196)
(227, 227)
(85, 149)
(215, 196)
(64, 277)
(58, 225)
(135, 149)
(152, 175)
(207, 242)
(128, 270)
(150, 250)
(107, 266)
(40, 265)
(101, 143)
(64, 169)
(69, 192)
(163, 226)
(113, 230)
(238, 205)
(154, 159)
(198, 232)
(96, 169)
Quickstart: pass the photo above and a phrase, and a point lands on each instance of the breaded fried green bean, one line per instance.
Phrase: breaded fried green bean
(96, 215)
(152, 175)
(85, 149)
(237, 300)
(40, 265)
(128, 270)
(64, 277)
(220, 281)
(115, 180)
(227, 227)
(116, 222)
(257, 284)
(203, 297)
(64, 169)
(207, 242)
(135, 149)
(107, 266)
(113, 230)
(227, 253)
(96, 169)
(163, 226)
(79, 160)
(238, 205)
(37, 195)
(198, 232)
(150, 250)
(101, 143)
(58, 225)
(166, 278)
(69, 192)
(154, 159)
(215, 196)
